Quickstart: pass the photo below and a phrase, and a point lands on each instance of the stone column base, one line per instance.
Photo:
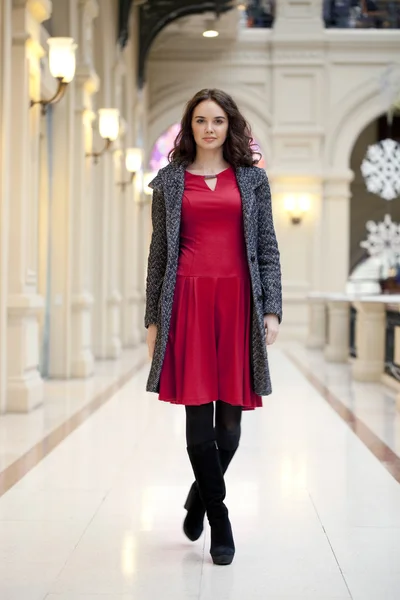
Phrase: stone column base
(24, 383)
(370, 341)
(82, 360)
(23, 395)
(114, 345)
(316, 323)
(337, 348)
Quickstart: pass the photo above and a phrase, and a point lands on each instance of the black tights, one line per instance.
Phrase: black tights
(200, 424)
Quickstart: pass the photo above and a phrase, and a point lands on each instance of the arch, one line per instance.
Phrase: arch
(359, 108)
(169, 106)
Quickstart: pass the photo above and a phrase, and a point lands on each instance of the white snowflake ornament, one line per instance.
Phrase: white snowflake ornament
(383, 241)
(381, 169)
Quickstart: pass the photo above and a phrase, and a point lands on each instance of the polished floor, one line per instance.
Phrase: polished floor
(315, 507)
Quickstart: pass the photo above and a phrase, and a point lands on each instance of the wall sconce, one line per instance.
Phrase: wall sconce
(147, 178)
(108, 128)
(62, 67)
(133, 164)
(297, 206)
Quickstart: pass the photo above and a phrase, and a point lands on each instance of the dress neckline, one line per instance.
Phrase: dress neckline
(216, 174)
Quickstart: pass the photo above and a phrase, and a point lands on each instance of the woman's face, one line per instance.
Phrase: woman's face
(209, 125)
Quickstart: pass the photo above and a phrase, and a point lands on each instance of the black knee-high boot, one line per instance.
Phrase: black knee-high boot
(193, 524)
(210, 479)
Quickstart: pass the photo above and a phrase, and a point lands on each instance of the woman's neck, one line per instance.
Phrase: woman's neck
(209, 161)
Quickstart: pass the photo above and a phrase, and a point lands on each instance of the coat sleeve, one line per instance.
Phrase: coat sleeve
(157, 260)
(268, 252)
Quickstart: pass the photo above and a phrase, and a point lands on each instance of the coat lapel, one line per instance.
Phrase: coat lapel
(248, 179)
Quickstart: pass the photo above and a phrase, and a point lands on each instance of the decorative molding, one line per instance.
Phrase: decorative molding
(82, 301)
(115, 298)
(24, 304)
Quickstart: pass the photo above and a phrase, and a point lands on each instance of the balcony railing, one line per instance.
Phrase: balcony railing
(362, 14)
(340, 14)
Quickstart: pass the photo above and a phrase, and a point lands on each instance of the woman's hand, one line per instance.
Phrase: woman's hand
(151, 339)
(271, 324)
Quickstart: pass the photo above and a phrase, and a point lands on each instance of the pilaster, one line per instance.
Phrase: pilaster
(107, 307)
(316, 338)
(86, 84)
(335, 231)
(5, 140)
(25, 386)
(61, 265)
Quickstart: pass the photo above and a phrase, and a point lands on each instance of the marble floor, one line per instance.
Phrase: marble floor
(315, 511)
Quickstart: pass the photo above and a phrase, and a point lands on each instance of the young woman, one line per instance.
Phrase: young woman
(213, 299)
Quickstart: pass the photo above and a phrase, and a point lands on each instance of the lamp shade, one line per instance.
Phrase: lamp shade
(148, 176)
(304, 203)
(62, 58)
(211, 29)
(290, 203)
(133, 160)
(109, 123)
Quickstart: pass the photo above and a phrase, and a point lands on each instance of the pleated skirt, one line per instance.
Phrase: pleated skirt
(208, 351)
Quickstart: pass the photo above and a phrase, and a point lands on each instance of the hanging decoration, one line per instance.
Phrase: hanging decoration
(381, 169)
(383, 242)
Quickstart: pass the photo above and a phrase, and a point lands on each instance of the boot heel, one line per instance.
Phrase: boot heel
(193, 524)
(222, 558)
(222, 548)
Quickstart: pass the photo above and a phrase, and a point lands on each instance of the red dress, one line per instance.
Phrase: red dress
(208, 351)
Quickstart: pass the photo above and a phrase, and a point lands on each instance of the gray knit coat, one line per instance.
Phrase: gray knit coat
(262, 257)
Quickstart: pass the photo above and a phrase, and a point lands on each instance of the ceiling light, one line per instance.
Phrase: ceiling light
(211, 30)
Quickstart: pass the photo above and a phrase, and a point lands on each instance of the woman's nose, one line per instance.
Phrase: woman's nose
(209, 128)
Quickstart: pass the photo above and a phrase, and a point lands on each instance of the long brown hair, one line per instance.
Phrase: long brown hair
(238, 147)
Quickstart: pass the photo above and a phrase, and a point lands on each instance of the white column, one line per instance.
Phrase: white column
(138, 259)
(336, 231)
(370, 340)
(130, 335)
(25, 386)
(86, 84)
(61, 263)
(107, 341)
(316, 338)
(5, 118)
(107, 305)
(337, 348)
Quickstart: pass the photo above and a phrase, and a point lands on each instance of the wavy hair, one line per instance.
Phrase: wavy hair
(238, 146)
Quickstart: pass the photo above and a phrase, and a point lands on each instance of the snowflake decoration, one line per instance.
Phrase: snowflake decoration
(381, 169)
(383, 241)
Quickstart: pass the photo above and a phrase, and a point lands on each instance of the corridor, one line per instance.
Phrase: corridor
(315, 514)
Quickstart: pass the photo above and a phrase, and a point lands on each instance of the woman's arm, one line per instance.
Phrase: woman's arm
(268, 253)
(157, 261)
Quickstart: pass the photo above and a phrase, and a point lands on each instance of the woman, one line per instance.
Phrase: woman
(213, 298)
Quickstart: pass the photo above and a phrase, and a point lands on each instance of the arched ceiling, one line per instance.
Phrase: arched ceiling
(155, 15)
